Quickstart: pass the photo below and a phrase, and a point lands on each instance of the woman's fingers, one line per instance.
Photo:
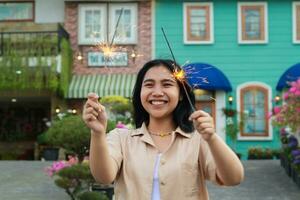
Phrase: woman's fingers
(205, 125)
(197, 114)
(89, 117)
(95, 105)
(91, 110)
(92, 96)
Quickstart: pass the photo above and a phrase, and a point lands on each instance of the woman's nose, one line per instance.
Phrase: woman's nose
(157, 91)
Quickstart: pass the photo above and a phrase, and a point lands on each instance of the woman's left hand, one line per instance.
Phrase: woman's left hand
(203, 123)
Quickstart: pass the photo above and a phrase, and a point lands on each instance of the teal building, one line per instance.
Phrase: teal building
(251, 43)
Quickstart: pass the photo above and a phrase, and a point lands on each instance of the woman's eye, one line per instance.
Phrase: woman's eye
(167, 84)
(148, 85)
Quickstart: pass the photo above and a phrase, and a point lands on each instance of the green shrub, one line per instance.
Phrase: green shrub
(71, 134)
(117, 104)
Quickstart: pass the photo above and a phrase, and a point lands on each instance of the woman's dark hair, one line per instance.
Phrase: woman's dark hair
(183, 109)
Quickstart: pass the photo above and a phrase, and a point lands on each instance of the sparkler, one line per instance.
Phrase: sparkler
(107, 48)
(179, 74)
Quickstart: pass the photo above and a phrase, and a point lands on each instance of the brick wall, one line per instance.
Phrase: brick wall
(143, 46)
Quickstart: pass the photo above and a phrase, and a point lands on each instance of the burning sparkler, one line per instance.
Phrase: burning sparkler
(179, 74)
(107, 47)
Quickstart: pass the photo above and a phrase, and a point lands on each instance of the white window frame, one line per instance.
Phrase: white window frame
(81, 23)
(251, 138)
(266, 36)
(133, 26)
(211, 23)
(294, 8)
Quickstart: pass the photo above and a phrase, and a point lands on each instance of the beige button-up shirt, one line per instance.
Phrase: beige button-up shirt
(183, 168)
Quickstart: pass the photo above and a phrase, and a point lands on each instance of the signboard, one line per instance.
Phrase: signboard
(97, 59)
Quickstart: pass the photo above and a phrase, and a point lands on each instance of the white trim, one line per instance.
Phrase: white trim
(153, 28)
(294, 20)
(81, 23)
(261, 84)
(211, 23)
(133, 23)
(220, 118)
(265, 5)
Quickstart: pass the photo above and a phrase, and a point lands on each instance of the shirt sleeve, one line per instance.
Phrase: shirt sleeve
(209, 166)
(114, 142)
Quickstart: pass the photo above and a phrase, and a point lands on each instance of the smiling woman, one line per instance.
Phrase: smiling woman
(173, 149)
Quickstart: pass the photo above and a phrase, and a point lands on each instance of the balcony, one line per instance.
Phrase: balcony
(35, 60)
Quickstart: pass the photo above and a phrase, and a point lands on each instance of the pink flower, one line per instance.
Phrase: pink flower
(72, 160)
(56, 167)
(120, 125)
(293, 89)
(297, 93)
(286, 96)
(277, 110)
(298, 110)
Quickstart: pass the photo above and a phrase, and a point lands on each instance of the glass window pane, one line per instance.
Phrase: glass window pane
(254, 111)
(124, 27)
(16, 11)
(92, 24)
(198, 20)
(260, 126)
(88, 17)
(252, 20)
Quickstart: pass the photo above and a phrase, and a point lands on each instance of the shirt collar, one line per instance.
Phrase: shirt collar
(144, 131)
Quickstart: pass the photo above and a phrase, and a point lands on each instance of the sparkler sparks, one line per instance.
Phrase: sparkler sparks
(179, 75)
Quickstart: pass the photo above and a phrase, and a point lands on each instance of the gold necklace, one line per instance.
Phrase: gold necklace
(160, 134)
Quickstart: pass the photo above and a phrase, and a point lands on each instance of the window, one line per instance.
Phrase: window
(126, 32)
(92, 23)
(198, 23)
(296, 22)
(97, 23)
(252, 23)
(254, 105)
(17, 11)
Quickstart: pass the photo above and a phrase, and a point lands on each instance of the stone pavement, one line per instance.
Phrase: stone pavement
(265, 180)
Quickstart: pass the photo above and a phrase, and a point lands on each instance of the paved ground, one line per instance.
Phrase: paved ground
(265, 180)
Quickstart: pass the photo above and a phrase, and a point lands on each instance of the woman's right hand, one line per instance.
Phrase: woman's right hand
(94, 114)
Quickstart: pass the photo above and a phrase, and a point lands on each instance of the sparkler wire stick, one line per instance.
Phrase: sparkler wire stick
(115, 32)
(179, 75)
(162, 29)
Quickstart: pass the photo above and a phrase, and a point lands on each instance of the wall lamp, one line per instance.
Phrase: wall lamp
(277, 99)
(230, 100)
(57, 110)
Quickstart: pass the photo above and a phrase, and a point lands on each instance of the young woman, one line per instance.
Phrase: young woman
(171, 152)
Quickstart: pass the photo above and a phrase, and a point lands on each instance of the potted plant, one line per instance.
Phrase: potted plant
(75, 178)
(232, 127)
(229, 112)
(70, 133)
(45, 150)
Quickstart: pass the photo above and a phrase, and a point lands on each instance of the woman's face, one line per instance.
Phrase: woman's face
(159, 93)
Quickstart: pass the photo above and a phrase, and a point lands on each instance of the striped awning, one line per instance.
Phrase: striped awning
(103, 85)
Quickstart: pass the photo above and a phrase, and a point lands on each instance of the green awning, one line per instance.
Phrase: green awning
(103, 85)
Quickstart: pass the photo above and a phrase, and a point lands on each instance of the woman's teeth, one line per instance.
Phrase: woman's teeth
(157, 102)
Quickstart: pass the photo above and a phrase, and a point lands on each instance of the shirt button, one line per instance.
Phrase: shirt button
(162, 183)
(163, 162)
